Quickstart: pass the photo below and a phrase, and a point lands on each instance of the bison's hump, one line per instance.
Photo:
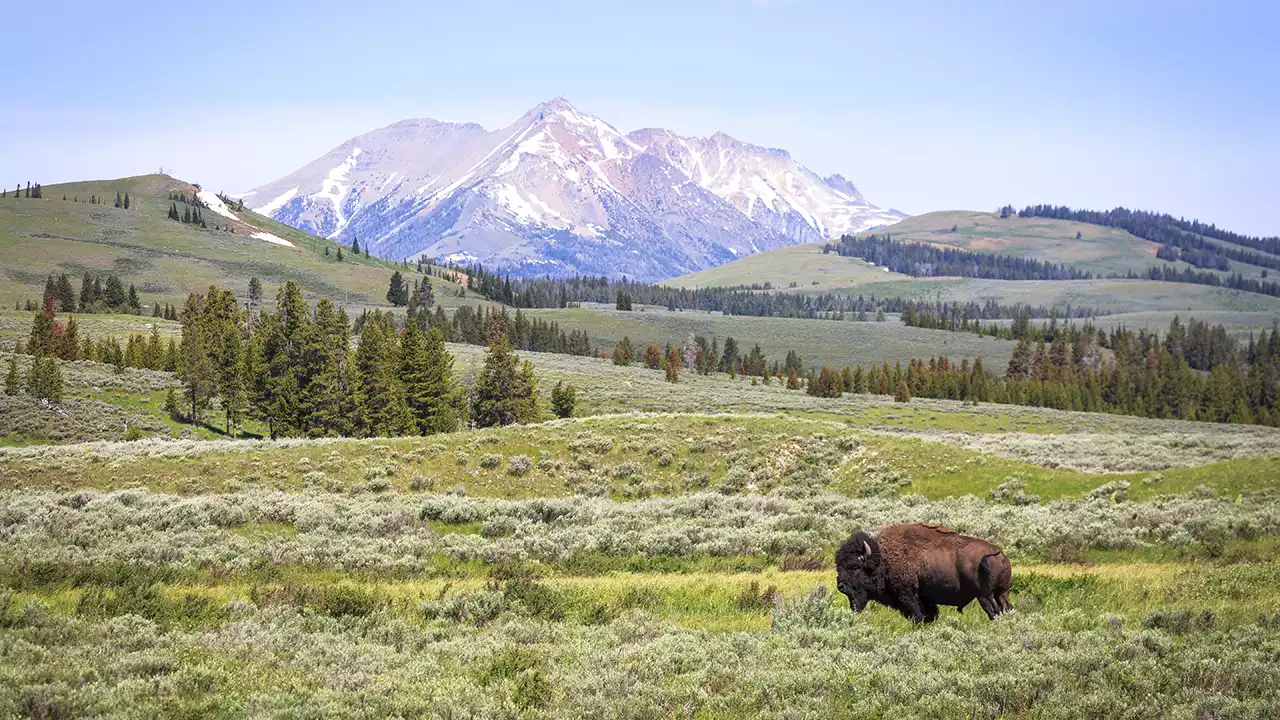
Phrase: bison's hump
(938, 528)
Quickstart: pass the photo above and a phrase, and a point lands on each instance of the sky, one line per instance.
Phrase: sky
(1163, 105)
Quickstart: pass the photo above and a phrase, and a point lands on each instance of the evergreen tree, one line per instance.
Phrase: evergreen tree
(196, 366)
(255, 293)
(12, 380)
(379, 398)
(563, 398)
(47, 383)
(397, 292)
(135, 304)
(672, 365)
(86, 293)
(113, 293)
(426, 371)
(339, 254)
(502, 392)
(41, 340)
(126, 201)
(66, 295)
(355, 247)
(902, 394)
(171, 404)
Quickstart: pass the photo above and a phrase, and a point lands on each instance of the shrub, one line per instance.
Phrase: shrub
(519, 465)
(490, 461)
(752, 599)
(1010, 492)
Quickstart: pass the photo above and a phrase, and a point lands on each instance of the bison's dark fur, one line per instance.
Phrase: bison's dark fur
(916, 568)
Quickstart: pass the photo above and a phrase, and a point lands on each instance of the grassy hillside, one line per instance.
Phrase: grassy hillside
(166, 260)
(1102, 250)
(804, 265)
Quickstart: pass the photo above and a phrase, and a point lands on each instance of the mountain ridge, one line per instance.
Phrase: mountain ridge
(563, 192)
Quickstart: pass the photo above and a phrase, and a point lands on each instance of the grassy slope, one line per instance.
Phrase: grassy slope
(804, 265)
(1102, 250)
(165, 259)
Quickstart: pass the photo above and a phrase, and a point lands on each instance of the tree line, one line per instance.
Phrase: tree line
(749, 300)
(97, 295)
(920, 260)
(295, 370)
(1185, 239)
(36, 192)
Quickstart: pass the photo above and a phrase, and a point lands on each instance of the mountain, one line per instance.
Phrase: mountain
(563, 192)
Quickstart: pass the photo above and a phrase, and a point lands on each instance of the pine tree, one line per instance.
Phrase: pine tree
(355, 246)
(1020, 361)
(902, 394)
(195, 365)
(113, 293)
(379, 398)
(171, 404)
(12, 380)
(397, 292)
(426, 371)
(135, 303)
(563, 398)
(673, 365)
(119, 200)
(126, 201)
(43, 330)
(86, 293)
(47, 383)
(255, 293)
(501, 395)
(339, 254)
(66, 294)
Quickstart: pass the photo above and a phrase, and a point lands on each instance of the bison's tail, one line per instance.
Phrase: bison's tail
(991, 568)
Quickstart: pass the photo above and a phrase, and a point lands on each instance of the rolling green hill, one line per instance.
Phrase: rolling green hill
(165, 259)
(1101, 250)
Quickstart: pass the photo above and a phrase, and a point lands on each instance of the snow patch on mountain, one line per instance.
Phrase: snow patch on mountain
(279, 202)
(215, 204)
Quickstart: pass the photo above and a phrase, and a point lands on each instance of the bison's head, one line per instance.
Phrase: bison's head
(858, 569)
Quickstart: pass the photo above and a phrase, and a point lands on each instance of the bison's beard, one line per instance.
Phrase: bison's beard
(857, 600)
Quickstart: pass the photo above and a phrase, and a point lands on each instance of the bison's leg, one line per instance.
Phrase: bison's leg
(1003, 599)
(909, 606)
(930, 612)
(988, 604)
(960, 608)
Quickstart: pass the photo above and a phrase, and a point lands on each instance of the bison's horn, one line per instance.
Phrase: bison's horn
(867, 546)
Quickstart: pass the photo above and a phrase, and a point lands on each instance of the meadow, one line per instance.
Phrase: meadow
(667, 554)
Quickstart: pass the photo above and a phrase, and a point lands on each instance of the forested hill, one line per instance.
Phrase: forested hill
(1182, 239)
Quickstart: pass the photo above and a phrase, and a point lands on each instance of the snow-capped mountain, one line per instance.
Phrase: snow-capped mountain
(563, 192)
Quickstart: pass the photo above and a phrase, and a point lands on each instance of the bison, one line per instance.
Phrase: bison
(916, 568)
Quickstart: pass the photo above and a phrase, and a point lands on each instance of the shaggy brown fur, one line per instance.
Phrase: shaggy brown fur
(915, 568)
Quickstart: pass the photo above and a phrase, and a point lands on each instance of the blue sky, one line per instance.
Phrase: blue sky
(1170, 105)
